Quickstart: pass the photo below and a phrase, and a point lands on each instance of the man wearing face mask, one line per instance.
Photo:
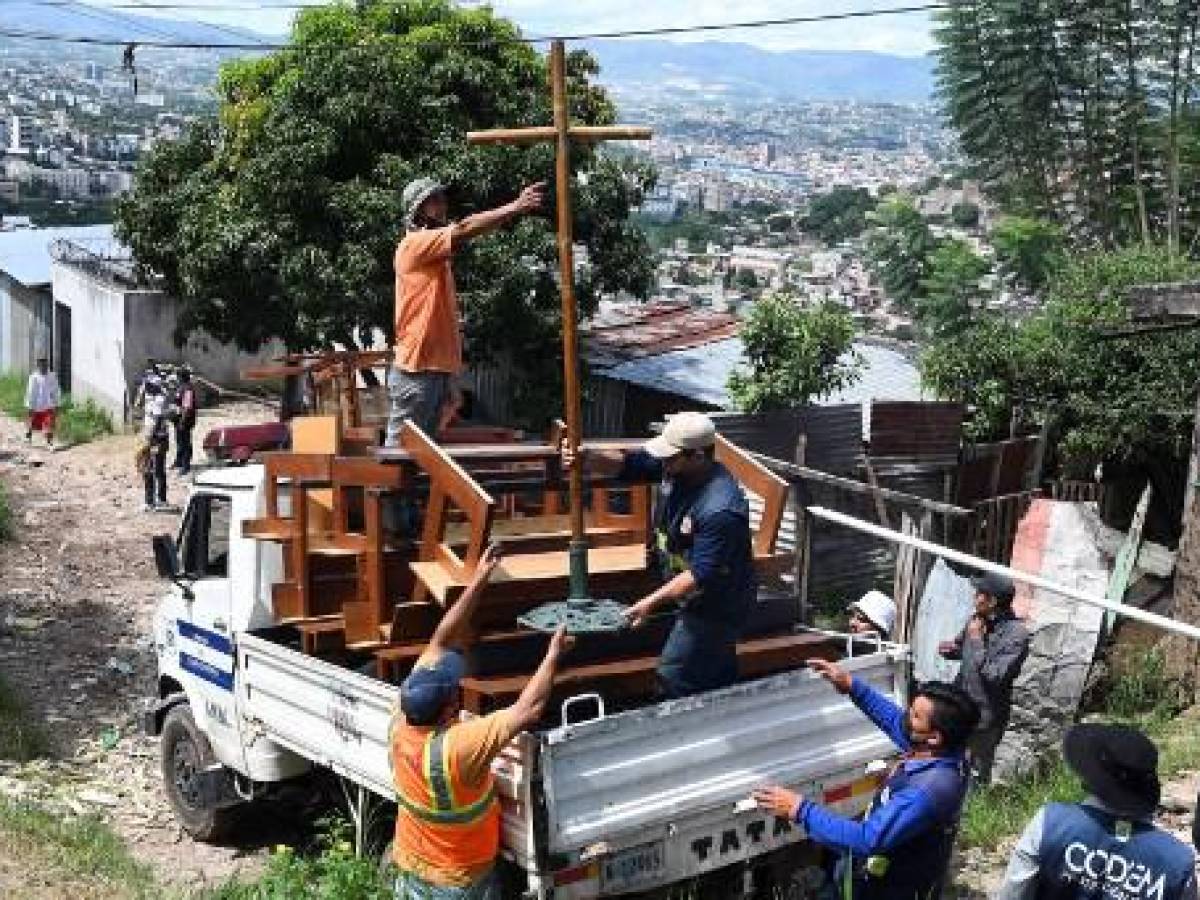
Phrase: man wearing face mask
(428, 343)
(992, 648)
(900, 849)
(702, 544)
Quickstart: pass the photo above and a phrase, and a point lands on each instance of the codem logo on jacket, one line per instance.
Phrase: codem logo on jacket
(1112, 873)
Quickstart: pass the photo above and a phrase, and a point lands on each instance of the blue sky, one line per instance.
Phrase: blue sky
(901, 34)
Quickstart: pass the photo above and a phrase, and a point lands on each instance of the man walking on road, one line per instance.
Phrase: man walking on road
(992, 648)
(41, 401)
(448, 823)
(428, 338)
(703, 543)
(1107, 846)
(901, 848)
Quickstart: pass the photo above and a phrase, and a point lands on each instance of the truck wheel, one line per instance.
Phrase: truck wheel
(186, 753)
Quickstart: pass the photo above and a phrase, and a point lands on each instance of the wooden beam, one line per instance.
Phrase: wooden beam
(580, 134)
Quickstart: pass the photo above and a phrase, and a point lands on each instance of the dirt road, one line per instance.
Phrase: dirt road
(77, 592)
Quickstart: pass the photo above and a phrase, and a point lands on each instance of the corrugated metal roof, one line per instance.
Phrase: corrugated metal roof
(634, 331)
(25, 253)
(701, 373)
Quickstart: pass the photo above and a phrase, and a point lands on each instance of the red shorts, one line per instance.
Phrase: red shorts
(41, 421)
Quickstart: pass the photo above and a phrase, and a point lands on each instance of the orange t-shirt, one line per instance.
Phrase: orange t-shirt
(427, 330)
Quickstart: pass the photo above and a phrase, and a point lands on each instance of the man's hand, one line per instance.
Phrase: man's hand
(636, 615)
(569, 458)
(560, 643)
(834, 674)
(947, 648)
(530, 199)
(975, 628)
(488, 562)
(782, 802)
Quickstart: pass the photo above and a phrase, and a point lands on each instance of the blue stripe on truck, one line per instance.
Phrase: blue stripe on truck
(209, 639)
(209, 673)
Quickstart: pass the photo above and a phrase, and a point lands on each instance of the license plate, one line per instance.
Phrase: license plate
(635, 867)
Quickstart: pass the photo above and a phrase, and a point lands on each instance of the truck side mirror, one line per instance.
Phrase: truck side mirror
(166, 557)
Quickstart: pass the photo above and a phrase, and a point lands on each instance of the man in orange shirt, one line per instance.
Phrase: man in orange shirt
(428, 342)
(448, 821)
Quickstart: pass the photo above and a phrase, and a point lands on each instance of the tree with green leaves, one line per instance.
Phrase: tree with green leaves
(280, 218)
(1126, 397)
(1083, 113)
(794, 355)
(950, 294)
(746, 279)
(838, 215)
(899, 247)
(1028, 250)
(965, 214)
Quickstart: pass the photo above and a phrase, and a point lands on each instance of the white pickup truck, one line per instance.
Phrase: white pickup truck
(613, 805)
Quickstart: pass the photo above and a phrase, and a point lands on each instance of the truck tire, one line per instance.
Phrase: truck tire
(185, 753)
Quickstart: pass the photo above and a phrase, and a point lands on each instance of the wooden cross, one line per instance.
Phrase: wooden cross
(562, 133)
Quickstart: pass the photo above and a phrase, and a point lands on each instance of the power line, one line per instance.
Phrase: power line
(538, 39)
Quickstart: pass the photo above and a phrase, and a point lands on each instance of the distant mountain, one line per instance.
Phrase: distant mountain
(740, 69)
(83, 20)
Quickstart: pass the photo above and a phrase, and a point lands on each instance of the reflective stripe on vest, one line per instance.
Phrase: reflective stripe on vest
(444, 809)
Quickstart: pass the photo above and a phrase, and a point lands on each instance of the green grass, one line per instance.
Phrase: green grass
(1143, 697)
(21, 739)
(74, 424)
(334, 872)
(84, 848)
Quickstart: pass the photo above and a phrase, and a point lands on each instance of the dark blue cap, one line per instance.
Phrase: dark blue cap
(427, 690)
(999, 586)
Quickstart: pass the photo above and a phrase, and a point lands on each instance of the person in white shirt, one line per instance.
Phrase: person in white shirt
(41, 401)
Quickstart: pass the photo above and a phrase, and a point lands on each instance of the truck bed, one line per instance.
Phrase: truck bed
(619, 802)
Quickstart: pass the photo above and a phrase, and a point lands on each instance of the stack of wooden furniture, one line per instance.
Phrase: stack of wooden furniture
(351, 588)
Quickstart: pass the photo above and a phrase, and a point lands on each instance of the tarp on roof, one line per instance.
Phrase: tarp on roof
(25, 253)
(701, 373)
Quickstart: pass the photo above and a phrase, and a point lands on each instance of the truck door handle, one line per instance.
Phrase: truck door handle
(220, 625)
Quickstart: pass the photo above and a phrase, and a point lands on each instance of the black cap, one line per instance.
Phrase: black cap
(1117, 764)
(995, 585)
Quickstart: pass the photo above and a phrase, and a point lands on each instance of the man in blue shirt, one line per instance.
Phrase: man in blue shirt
(1106, 846)
(900, 849)
(703, 547)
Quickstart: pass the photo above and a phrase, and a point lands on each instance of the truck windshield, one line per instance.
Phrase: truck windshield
(204, 539)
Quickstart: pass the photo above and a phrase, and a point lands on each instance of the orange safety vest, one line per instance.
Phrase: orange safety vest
(444, 827)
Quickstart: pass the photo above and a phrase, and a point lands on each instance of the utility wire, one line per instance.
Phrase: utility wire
(539, 39)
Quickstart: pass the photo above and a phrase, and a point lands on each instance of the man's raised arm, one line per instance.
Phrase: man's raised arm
(454, 628)
(481, 223)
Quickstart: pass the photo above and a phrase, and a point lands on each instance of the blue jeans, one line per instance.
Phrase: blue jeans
(410, 887)
(419, 396)
(700, 655)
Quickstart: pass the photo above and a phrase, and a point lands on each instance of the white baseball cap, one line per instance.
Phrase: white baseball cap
(684, 431)
(878, 608)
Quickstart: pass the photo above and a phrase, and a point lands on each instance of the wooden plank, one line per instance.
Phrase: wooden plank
(757, 479)
(1126, 561)
(443, 470)
(881, 511)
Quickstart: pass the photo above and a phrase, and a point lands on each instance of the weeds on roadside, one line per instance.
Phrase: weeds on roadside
(334, 872)
(21, 739)
(7, 527)
(84, 847)
(1144, 696)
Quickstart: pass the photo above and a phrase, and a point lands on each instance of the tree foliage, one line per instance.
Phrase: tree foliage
(965, 214)
(795, 355)
(1029, 250)
(899, 247)
(1081, 112)
(280, 218)
(950, 294)
(839, 215)
(1126, 398)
